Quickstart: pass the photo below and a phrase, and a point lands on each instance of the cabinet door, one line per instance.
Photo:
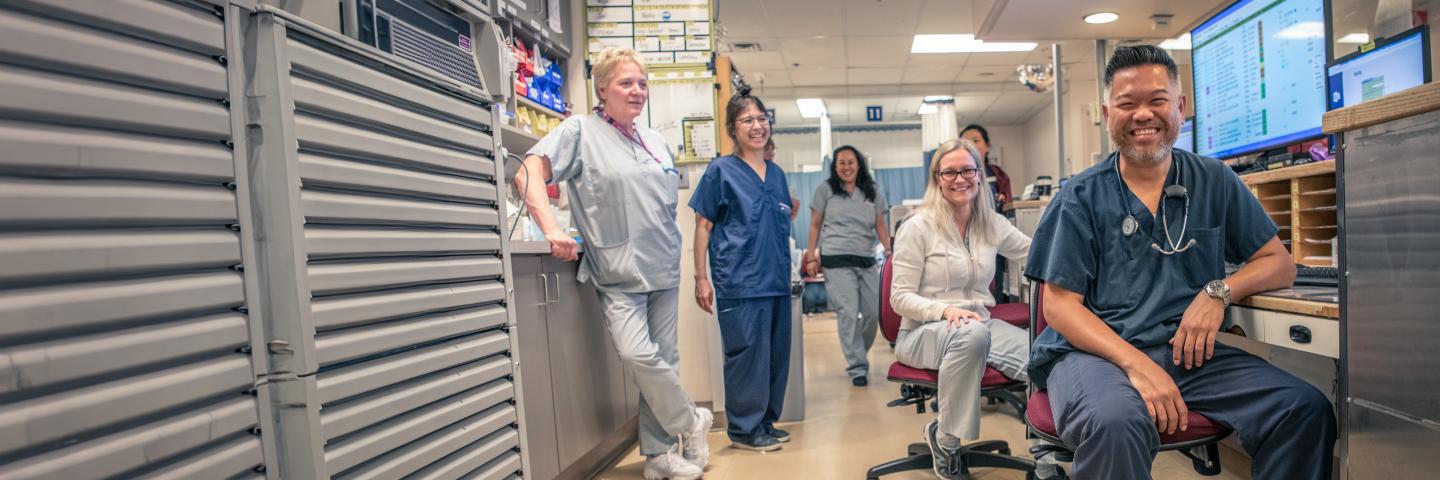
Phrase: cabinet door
(585, 369)
(534, 353)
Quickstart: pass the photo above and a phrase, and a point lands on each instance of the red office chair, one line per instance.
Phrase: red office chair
(917, 387)
(1200, 441)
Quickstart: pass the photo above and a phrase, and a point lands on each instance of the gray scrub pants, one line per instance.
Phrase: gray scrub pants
(643, 327)
(854, 294)
(960, 354)
(1286, 425)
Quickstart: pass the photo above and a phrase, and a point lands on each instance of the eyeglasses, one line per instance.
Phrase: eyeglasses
(949, 175)
(752, 121)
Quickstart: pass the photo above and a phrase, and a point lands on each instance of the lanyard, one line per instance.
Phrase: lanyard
(635, 139)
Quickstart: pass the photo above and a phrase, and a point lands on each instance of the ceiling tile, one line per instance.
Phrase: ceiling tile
(1006, 59)
(744, 18)
(746, 61)
(877, 51)
(767, 78)
(1044, 20)
(797, 18)
(939, 59)
(892, 16)
(986, 74)
(930, 74)
(814, 52)
(874, 90)
(874, 76)
(945, 16)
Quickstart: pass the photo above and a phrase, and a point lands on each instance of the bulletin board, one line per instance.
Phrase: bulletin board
(665, 32)
(682, 109)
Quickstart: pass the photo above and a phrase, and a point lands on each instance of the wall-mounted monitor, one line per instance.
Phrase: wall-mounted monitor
(1259, 72)
(1396, 63)
(1186, 140)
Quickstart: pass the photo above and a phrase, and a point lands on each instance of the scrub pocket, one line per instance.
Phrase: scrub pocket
(612, 265)
(1205, 261)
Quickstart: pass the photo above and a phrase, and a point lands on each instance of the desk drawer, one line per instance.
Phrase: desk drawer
(1324, 332)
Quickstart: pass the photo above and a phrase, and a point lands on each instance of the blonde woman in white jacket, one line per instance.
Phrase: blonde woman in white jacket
(943, 263)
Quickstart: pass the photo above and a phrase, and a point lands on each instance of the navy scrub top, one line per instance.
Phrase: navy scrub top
(1140, 293)
(750, 244)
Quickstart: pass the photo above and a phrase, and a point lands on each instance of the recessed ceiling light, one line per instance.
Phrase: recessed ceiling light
(964, 43)
(926, 109)
(1355, 39)
(811, 107)
(1101, 17)
(1178, 43)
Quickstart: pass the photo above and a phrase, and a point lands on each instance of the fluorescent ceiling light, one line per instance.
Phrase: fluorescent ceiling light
(1102, 17)
(1302, 31)
(939, 98)
(926, 109)
(811, 107)
(1355, 39)
(965, 43)
(1178, 43)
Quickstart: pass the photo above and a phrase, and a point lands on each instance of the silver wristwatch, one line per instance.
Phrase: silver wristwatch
(1218, 289)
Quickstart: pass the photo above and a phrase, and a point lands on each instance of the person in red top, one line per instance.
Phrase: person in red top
(1000, 184)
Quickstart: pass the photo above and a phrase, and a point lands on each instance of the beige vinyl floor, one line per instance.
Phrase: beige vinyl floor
(848, 429)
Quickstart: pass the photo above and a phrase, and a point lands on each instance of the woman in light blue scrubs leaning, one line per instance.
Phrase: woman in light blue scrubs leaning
(742, 208)
(847, 218)
(623, 188)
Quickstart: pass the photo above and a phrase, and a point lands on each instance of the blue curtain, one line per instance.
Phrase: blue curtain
(899, 184)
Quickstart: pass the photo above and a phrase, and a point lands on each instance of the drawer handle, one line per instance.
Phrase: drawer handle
(1299, 334)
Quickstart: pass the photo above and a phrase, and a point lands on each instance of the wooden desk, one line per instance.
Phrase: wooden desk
(1272, 316)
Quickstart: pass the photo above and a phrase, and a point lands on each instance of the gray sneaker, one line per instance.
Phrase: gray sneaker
(943, 459)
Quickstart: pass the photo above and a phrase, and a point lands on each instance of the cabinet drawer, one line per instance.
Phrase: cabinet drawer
(1324, 332)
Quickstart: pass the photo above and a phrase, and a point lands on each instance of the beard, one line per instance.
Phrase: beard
(1153, 155)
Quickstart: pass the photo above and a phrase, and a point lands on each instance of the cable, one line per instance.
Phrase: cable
(521, 209)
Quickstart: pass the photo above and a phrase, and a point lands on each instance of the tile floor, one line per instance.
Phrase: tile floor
(848, 429)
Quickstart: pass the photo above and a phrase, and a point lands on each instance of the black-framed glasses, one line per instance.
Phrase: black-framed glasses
(751, 121)
(949, 175)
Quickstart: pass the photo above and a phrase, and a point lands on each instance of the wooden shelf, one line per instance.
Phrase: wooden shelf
(1410, 102)
(1328, 191)
(1306, 170)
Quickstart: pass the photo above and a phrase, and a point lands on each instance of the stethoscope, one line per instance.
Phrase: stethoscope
(1176, 190)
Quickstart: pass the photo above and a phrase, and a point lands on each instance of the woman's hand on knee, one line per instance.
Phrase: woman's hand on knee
(955, 317)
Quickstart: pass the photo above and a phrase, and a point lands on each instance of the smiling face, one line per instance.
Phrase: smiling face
(951, 178)
(624, 97)
(752, 128)
(847, 166)
(1144, 113)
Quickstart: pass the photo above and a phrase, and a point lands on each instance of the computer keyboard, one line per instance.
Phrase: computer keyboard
(1316, 276)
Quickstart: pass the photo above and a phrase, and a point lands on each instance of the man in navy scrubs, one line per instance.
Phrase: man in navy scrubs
(1132, 254)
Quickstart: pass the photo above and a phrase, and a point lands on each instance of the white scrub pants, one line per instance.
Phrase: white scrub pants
(960, 354)
(643, 326)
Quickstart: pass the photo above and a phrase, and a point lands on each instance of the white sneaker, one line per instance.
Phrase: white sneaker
(696, 448)
(670, 466)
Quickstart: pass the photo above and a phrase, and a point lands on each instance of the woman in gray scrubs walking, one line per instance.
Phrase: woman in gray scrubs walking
(623, 188)
(847, 218)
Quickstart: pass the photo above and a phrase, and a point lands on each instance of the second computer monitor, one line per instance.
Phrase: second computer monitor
(1394, 64)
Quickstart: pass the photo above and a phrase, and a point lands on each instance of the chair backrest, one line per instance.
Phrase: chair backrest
(1037, 309)
(889, 320)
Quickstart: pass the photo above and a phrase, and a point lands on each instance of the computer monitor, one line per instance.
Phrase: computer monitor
(1396, 63)
(1186, 140)
(1259, 71)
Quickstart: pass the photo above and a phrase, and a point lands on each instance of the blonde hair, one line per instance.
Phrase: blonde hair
(935, 211)
(607, 64)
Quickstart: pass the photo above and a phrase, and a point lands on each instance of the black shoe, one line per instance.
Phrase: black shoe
(781, 435)
(860, 381)
(942, 458)
(760, 443)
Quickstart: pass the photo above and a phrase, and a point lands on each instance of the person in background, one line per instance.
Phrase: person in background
(632, 255)
(847, 219)
(999, 183)
(944, 258)
(1134, 315)
(742, 209)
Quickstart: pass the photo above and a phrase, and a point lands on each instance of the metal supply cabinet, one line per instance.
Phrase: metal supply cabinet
(233, 244)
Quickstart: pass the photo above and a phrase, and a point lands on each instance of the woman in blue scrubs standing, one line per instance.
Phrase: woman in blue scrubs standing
(743, 207)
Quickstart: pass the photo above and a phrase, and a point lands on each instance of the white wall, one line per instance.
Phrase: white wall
(1082, 135)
